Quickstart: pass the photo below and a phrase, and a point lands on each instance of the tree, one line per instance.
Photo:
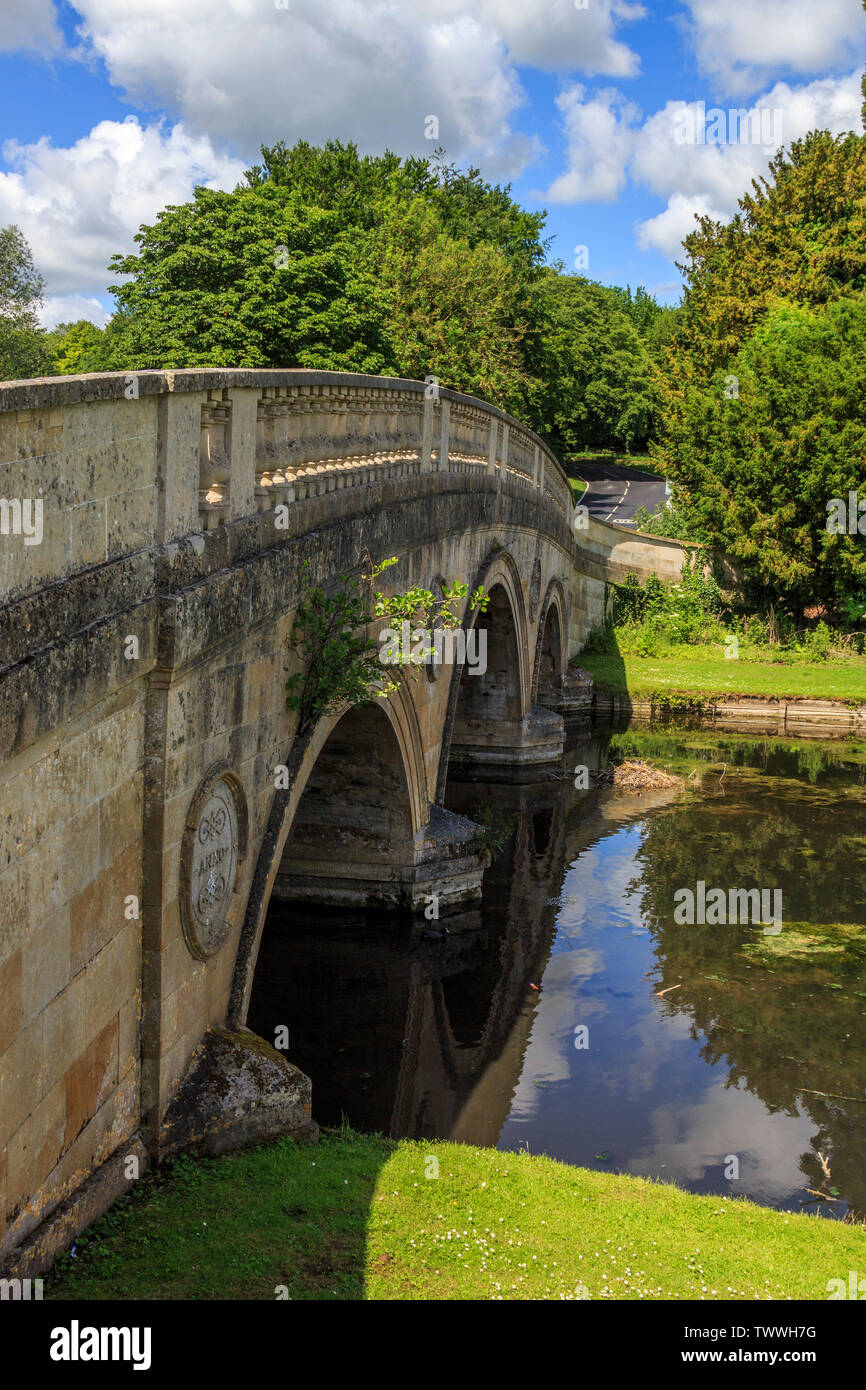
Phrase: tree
(758, 468)
(327, 259)
(336, 177)
(758, 415)
(23, 348)
(453, 309)
(591, 371)
(642, 308)
(76, 348)
(252, 278)
(800, 234)
(408, 267)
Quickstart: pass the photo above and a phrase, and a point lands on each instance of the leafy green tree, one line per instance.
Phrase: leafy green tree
(642, 308)
(761, 422)
(591, 370)
(327, 259)
(401, 266)
(250, 279)
(758, 466)
(801, 235)
(410, 267)
(674, 518)
(359, 188)
(76, 348)
(24, 351)
(336, 178)
(453, 309)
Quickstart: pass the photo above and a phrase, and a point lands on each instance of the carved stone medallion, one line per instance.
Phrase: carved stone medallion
(214, 842)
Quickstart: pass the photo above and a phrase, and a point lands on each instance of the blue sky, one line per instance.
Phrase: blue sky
(109, 109)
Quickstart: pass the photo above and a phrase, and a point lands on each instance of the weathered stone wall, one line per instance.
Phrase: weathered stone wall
(70, 951)
(610, 553)
(72, 735)
(589, 595)
(143, 723)
(143, 647)
(94, 471)
(606, 554)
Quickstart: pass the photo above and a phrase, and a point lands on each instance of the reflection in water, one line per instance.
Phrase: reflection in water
(707, 1044)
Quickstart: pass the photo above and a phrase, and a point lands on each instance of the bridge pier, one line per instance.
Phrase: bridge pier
(537, 738)
(570, 695)
(362, 837)
(496, 725)
(346, 867)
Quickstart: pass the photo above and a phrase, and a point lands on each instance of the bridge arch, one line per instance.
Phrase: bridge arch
(505, 623)
(329, 793)
(551, 643)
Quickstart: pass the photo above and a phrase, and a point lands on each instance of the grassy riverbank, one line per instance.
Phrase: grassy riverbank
(702, 672)
(356, 1217)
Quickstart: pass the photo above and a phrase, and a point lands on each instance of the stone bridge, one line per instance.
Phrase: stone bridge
(156, 533)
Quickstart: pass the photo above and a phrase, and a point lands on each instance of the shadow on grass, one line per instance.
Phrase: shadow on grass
(281, 1221)
(611, 702)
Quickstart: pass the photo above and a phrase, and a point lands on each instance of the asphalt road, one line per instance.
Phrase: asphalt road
(614, 493)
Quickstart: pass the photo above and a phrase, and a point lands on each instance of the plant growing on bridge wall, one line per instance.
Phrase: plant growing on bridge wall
(494, 829)
(341, 660)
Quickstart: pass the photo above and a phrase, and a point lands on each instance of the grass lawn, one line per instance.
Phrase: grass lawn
(704, 672)
(356, 1217)
(578, 487)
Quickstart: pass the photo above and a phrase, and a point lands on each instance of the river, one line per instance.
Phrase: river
(573, 1015)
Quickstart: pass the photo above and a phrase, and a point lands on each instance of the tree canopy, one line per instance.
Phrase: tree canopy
(763, 417)
(591, 368)
(324, 258)
(23, 349)
(411, 267)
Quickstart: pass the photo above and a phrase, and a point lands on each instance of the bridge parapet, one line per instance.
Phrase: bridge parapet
(95, 468)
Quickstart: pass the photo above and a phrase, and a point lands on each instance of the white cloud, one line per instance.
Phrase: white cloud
(666, 289)
(605, 146)
(744, 45)
(600, 138)
(691, 1139)
(559, 37)
(667, 166)
(29, 25)
(69, 308)
(78, 206)
(709, 179)
(665, 231)
(371, 71)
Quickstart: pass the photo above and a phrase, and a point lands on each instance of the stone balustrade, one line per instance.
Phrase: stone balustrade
(93, 468)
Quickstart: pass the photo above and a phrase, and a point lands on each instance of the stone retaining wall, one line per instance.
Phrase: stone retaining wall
(747, 714)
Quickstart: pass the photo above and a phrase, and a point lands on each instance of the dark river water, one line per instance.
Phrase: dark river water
(717, 1056)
